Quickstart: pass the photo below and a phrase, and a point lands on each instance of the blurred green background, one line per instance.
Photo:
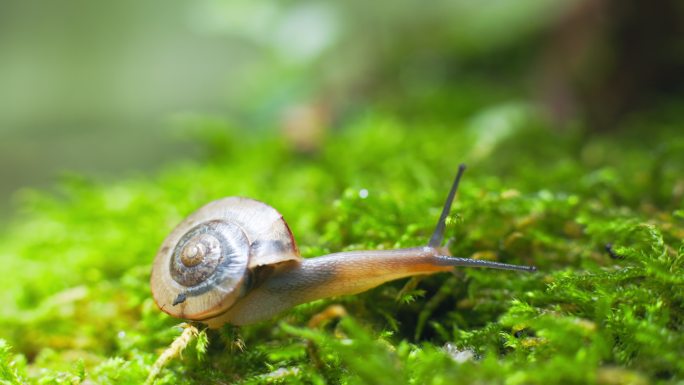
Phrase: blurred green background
(108, 88)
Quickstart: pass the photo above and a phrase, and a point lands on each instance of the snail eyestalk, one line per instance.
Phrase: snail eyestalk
(438, 235)
(455, 261)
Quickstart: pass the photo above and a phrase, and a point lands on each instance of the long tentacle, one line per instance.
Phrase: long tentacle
(438, 235)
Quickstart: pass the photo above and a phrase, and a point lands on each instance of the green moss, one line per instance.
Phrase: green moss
(77, 306)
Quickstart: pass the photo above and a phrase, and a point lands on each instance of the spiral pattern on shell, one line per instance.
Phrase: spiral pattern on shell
(207, 254)
(202, 267)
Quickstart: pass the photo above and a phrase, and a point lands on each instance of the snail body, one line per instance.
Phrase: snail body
(235, 261)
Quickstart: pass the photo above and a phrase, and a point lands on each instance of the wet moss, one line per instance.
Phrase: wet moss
(77, 308)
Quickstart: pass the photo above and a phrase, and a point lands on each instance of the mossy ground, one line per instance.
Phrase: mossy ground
(76, 262)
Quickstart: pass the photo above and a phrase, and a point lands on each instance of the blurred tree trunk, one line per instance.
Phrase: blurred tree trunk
(606, 58)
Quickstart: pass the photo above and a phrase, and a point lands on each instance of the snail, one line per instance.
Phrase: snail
(235, 261)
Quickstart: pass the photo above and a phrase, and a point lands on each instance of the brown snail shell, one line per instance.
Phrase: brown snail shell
(235, 261)
(204, 265)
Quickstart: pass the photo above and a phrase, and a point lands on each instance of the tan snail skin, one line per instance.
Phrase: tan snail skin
(235, 261)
